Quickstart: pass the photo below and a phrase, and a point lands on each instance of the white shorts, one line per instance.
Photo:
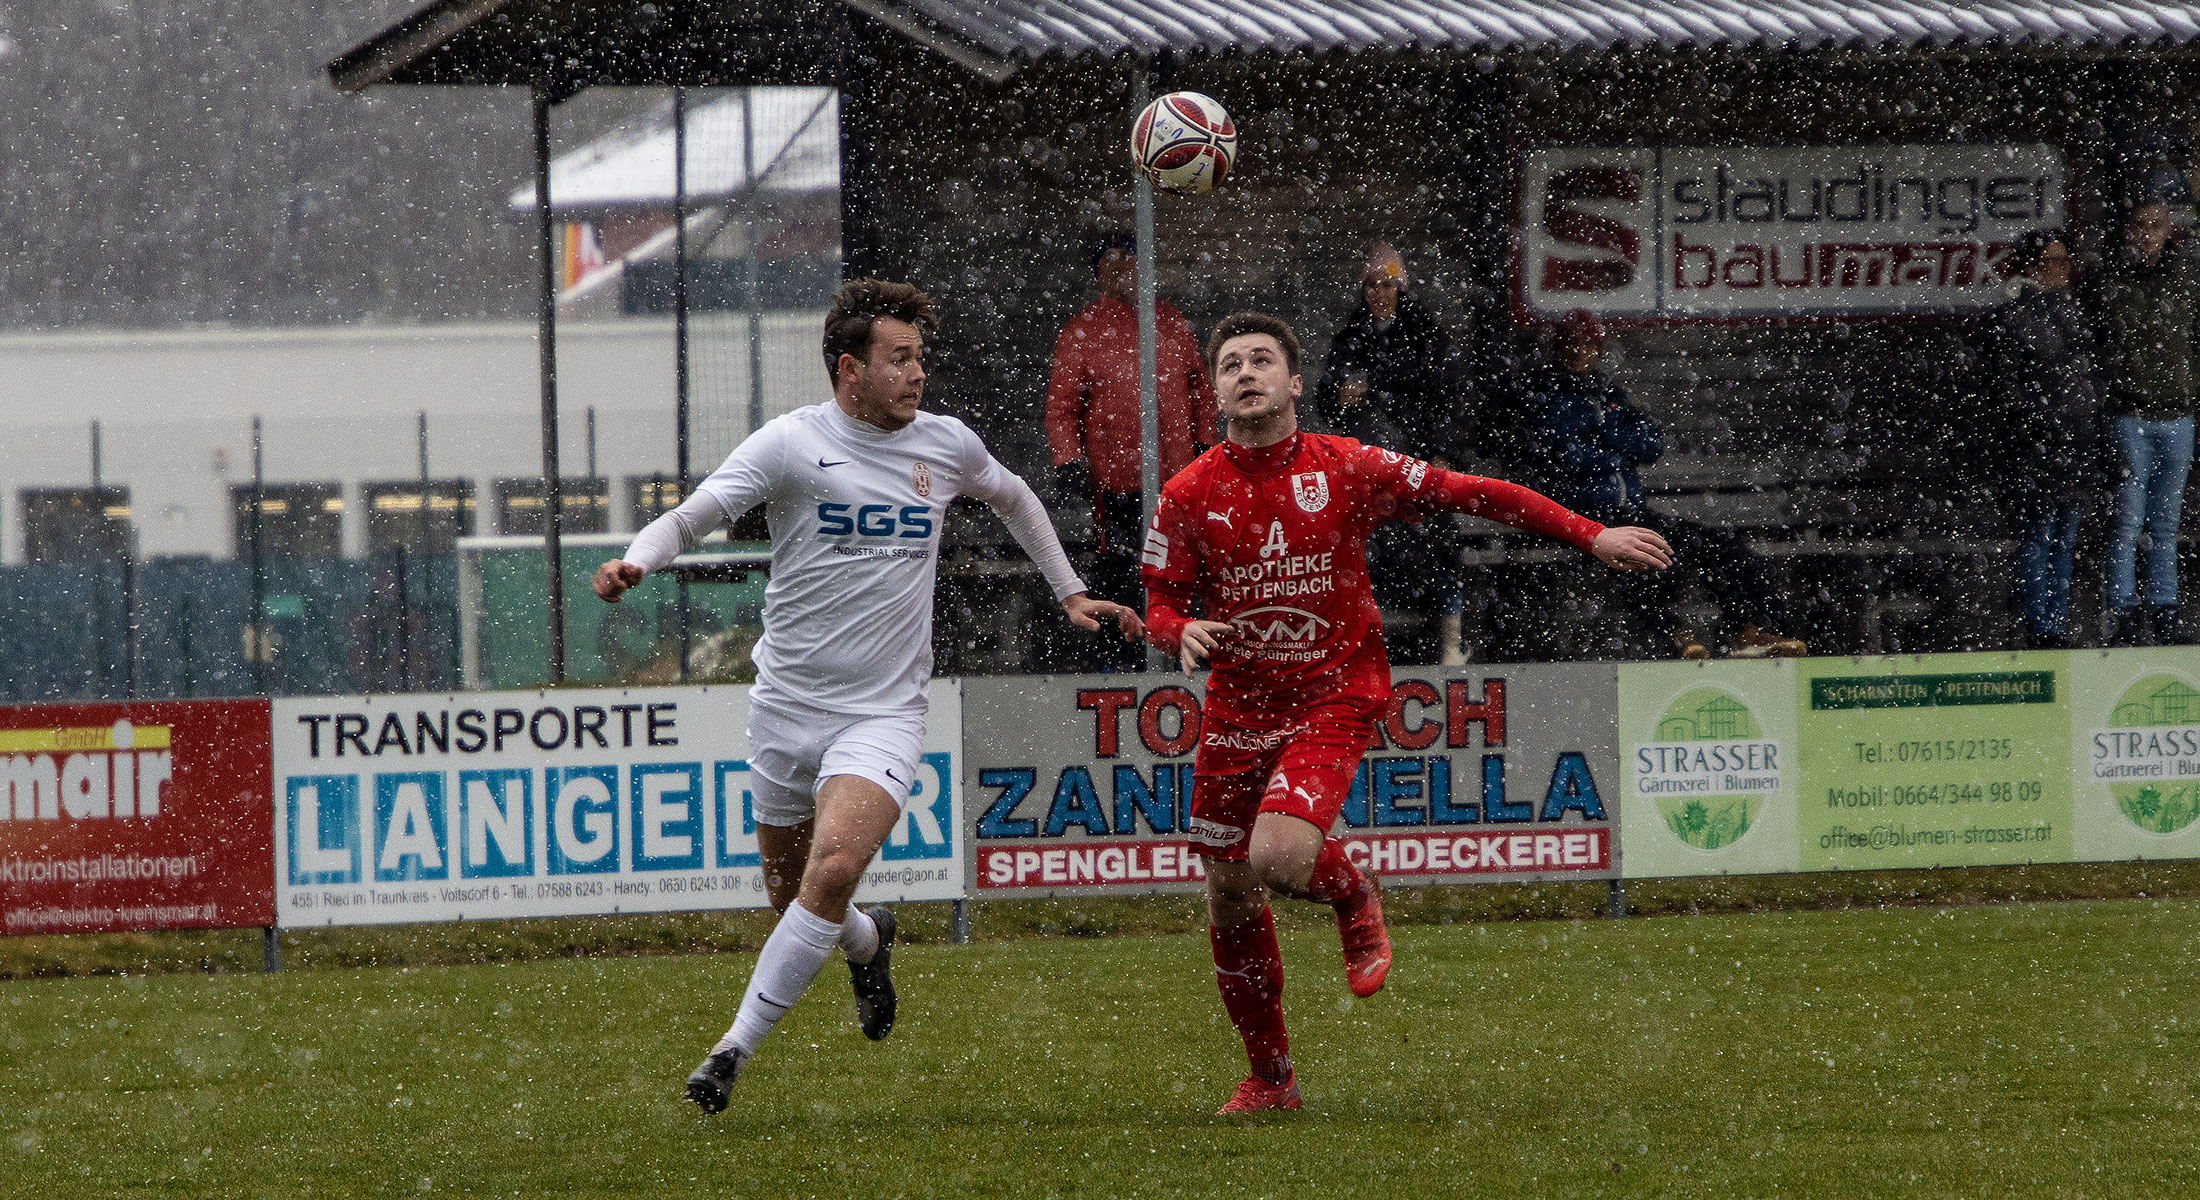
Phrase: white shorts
(793, 747)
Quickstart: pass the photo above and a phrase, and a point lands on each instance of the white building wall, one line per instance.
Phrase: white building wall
(341, 404)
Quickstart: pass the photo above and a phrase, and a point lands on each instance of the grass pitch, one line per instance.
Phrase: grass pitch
(2026, 1050)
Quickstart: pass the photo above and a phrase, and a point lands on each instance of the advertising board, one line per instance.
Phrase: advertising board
(394, 809)
(1081, 785)
(1734, 232)
(1831, 764)
(135, 816)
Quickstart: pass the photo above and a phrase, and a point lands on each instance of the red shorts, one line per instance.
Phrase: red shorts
(1301, 766)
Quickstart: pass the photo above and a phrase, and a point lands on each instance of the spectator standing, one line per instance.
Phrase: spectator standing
(1093, 420)
(1390, 381)
(2147, 300)
(2048, 394)
(1589, 442)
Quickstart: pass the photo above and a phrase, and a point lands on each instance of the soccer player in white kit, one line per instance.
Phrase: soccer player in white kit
(855, 492)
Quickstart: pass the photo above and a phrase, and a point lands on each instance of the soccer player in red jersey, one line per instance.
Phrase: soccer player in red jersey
(1266, 534)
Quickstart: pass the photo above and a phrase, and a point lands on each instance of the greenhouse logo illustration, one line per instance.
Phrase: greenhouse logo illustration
(2149, 754)
(1710, 770)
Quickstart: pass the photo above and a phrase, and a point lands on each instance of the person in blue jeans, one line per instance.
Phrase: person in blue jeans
(2049, 401)
(2147, 303)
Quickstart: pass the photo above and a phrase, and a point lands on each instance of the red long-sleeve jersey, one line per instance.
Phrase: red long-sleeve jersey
(1273, 541)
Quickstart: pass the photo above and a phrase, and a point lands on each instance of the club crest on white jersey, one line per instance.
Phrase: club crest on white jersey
(1311, 490)
(920, 478)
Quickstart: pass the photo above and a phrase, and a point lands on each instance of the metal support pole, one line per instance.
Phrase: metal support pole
(99, 627)
(958, 922)
(1149, 411)
(1615, 902)
(129, 613)
(404, 577)
(750, 266)
(271, 949)
(255, 624)
(546, 347)
(680, 365)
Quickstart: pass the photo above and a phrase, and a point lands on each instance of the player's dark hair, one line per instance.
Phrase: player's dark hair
(859, 304)
(1238, 324)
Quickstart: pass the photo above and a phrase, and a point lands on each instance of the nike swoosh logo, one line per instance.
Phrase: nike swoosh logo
(897, 779)
(842, 462)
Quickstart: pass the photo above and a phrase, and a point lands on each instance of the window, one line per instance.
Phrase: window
(520, 506)
(75, 525)
(650, 496)
(395, 519)
(296, 519)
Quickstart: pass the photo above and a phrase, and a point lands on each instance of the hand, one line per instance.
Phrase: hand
(1073, 483)
(1632, 548)
(614, 577)
(1352, 393)
(1201, 639)
(1086, 613)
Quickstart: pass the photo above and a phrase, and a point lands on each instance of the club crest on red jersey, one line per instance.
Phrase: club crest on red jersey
(1311, 490)
(920, 478)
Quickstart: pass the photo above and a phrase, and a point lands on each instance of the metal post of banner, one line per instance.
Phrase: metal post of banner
(680, 367)
(546, 349)
(1149, 412)
(959, 922)
(271, 950)
(1615, 902)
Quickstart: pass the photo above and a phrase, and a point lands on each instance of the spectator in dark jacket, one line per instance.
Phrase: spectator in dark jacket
(2048, 396)
(2146, 304)
(1389, 381)
(1589, 441)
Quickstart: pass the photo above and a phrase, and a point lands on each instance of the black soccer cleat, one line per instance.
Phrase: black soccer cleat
(874, 987)
(711, 1083)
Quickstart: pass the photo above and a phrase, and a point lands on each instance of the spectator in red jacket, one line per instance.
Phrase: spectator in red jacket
(1093, 419)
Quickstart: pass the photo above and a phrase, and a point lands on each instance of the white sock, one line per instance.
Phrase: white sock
(859, 936)
(792, 955)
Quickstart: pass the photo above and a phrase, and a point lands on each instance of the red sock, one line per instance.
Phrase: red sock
(1335, 881)
(1249, 973)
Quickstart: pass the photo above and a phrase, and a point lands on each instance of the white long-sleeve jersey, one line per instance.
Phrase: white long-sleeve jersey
(855, 515)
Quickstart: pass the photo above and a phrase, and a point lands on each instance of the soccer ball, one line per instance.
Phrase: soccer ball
(1184, 142)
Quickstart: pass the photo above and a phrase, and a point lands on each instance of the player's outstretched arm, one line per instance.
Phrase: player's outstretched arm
(614, 577)
(1087, 613)
(1632, 548)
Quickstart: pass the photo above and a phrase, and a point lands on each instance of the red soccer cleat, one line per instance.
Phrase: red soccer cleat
(1258, 1095)
(1366, 942)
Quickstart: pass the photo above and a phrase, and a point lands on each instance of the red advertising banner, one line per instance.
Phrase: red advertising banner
(124, 817)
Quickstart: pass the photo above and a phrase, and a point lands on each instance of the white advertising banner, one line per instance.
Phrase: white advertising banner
(393, 809)
(1739, 232)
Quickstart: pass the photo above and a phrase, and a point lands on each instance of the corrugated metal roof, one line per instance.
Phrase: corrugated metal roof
(1039, 28)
